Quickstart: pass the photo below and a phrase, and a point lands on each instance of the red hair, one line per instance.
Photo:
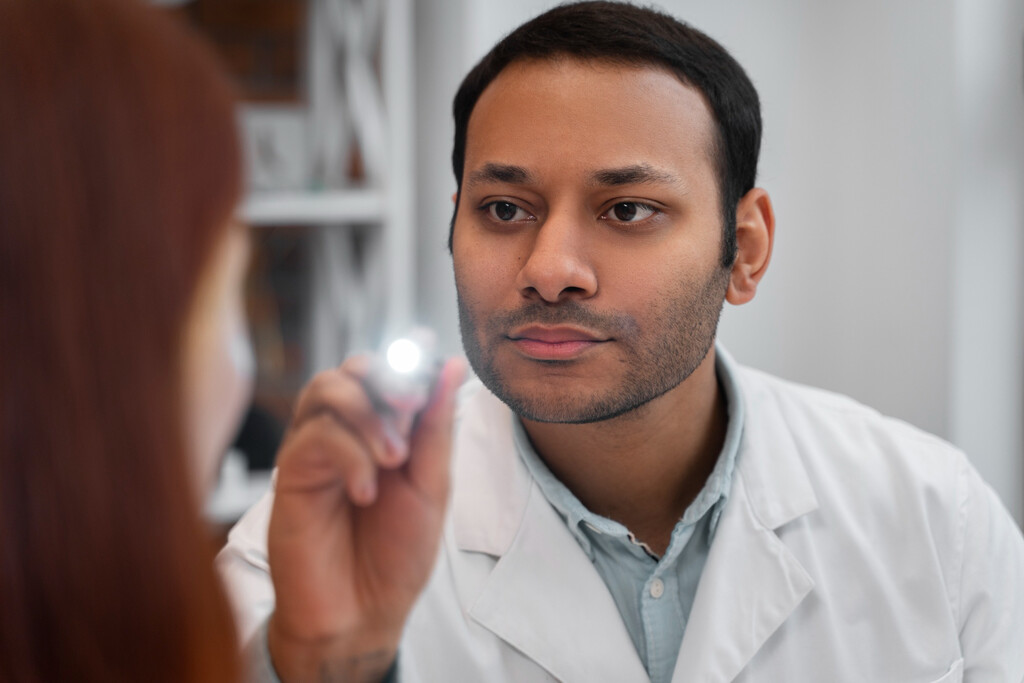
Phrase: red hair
(119, 170)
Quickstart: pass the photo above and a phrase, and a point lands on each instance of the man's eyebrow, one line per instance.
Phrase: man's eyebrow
(499, 173)
(632, 175)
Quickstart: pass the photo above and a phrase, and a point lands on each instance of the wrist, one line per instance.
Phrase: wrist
(362, 658)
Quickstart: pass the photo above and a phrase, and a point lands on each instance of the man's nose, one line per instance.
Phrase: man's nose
(559, 265)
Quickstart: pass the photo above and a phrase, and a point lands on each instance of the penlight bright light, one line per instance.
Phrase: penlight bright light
(404, 355)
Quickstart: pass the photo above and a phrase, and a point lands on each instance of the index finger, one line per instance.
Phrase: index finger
(341, 394)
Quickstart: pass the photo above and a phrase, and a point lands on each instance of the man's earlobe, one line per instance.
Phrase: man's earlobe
(755, 235)
(455, 198)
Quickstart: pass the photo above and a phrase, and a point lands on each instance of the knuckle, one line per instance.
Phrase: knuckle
(321, 383)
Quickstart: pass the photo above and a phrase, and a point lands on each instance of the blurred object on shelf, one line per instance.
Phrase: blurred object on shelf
(276, 142)
(262, 42)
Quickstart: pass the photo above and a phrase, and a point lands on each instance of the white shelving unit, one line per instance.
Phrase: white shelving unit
(360, 100)
(359, 94)
(344, 207)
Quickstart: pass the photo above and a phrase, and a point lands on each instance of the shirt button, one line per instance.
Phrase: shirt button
(657, 588)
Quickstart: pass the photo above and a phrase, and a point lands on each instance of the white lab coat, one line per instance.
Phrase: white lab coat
(852, 548)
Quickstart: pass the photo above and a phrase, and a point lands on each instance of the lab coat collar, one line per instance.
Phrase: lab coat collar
(776, 481)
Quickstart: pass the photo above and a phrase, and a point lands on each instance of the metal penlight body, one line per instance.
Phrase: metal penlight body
(400, 380)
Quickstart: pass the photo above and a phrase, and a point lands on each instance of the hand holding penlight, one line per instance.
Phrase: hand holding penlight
(400, 380)
(352, 510)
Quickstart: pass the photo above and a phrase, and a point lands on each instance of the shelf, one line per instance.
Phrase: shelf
(314, 208)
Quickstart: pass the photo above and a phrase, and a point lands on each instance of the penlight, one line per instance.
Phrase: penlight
(400, 378)
(404, 356)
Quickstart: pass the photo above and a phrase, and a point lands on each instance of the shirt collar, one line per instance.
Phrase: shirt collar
(710, 498)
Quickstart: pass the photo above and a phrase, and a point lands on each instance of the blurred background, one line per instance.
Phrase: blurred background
(893, 151)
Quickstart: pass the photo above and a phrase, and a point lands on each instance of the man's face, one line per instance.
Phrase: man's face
(587, 238)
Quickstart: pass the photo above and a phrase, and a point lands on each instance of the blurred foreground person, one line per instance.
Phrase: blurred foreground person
(123, 348)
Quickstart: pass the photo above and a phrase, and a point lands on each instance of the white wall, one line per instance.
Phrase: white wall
(441, 63)
(893, 150)
(987, 368)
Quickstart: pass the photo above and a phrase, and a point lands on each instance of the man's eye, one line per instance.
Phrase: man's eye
(506, 212)
(630, 212)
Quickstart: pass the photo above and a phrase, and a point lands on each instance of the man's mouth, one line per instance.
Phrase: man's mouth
(554, 343)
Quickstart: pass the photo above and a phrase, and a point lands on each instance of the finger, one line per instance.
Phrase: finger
(396, 444)
(322, 457)
(432, 436)
(308, 403)
(341, 394)
(353, 368)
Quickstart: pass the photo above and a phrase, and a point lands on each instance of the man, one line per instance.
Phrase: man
(628, 503)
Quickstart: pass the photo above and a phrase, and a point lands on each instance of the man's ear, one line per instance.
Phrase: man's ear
(755, 235)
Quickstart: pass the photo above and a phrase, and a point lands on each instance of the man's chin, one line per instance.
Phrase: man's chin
(530, 404)
(561, 396)
(565, 409)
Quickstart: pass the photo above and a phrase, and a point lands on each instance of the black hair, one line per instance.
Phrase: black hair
(622, 33)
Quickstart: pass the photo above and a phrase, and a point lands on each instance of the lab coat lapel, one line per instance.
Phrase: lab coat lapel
(750, 586)
(543, 596)
(490, 485)
(751, 583)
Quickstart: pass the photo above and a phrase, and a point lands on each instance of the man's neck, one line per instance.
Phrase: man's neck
(644, 468)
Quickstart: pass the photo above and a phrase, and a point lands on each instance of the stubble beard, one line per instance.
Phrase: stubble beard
(656, 360)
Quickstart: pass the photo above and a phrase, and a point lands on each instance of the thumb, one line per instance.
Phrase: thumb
(431, 442)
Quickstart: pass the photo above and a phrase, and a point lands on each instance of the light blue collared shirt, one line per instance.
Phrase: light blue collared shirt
(654, 595)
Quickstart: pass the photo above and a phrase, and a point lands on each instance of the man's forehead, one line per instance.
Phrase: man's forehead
(529, 67)
(638, 112)
(565, 61)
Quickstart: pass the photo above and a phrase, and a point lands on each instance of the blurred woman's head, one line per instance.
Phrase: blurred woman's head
(217, 359)
(119, 173)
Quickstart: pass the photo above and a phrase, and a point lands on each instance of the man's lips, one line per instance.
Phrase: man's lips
(554, 343)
